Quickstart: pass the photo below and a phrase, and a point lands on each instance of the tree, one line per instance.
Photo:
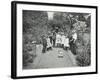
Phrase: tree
(34, 25)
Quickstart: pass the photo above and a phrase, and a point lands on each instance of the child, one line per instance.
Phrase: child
(58, 39)
(49, 45)
(66, 43)
(63, 40)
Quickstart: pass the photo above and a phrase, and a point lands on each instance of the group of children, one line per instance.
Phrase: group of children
(57, 40)
(62, 40)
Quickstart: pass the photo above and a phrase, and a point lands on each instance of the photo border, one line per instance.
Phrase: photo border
(14, 38)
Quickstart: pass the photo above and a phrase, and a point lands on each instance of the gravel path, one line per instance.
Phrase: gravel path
(55, 58)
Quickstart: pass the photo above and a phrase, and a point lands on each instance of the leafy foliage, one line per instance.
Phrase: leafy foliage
(36, 24)
(83, 56)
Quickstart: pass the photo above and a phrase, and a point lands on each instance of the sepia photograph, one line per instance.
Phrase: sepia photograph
(53, 39)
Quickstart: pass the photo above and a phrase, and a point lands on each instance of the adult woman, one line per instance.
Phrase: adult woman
(44, 43)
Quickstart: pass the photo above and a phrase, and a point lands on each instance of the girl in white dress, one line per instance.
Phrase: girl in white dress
(63, 40)
(49, 45)
(66, 43)
(58, 39)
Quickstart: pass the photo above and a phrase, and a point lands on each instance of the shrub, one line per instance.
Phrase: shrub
(29, 53)
(83, 56)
